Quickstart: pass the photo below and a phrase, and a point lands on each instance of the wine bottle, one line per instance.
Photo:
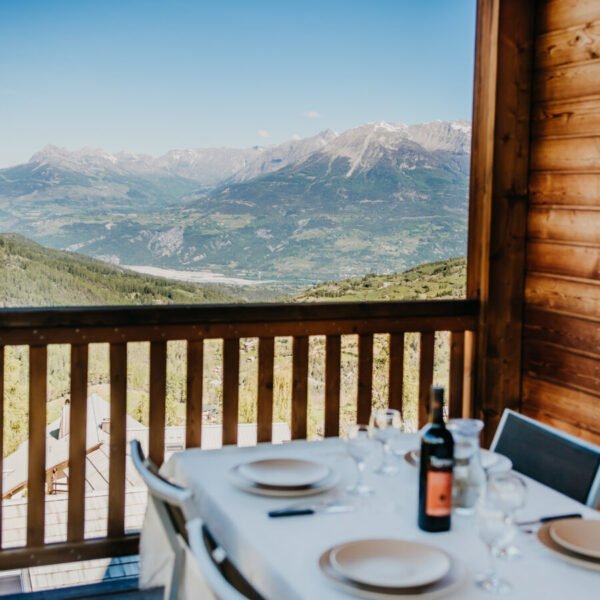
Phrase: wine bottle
(435, 475)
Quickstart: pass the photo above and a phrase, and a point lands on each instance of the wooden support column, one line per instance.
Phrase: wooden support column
(498, 201)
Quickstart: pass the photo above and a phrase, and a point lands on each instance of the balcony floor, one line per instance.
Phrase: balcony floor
(118, 590)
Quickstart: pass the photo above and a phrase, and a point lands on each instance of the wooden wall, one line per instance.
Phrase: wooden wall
(561, 334)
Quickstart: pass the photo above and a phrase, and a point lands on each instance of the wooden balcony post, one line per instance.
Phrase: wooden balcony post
(426, 355)
(195, 376)
(1, 433)
(365, 378)
(36, 481)
(264, 407)
(299, 387)
(333, 346)
(77, 442)
(118, 414)
(158, 400)
(231, 389)
(396, 374)
(457, 368)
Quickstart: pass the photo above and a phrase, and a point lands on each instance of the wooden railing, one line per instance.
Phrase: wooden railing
(119, 326)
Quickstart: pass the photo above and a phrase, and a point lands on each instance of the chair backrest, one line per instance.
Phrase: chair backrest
(556, 459)
(174, 506)
(168, 497)
(220, 587)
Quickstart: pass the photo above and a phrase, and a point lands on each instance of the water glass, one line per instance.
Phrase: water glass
(494, 532)
(385, 425)
(360, 446)
(509, 493)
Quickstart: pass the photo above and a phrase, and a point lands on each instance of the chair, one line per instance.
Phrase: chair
(187, 536)
(556, 459)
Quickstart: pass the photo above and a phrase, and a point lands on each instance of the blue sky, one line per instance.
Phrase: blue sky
(149, 76)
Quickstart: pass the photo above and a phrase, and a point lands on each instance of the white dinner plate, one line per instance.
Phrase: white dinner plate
(572, 557)
(454, 579)
(390, 563)
(275, 492)
(578, 535)
(492, 462)
(284, 472)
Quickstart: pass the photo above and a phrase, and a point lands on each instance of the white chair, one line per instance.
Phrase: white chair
(561, 461)
(187, 536)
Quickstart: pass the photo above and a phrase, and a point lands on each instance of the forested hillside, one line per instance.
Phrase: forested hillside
(444, 279)
(32, 275)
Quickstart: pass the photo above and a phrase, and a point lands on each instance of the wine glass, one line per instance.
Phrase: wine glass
(509, 493)
(360, 446)
(494, 531)
(385, 425)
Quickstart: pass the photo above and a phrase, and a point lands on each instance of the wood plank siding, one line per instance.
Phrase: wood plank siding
(561, 336)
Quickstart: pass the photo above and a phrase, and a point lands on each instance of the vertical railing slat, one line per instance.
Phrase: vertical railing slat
(365, 377)
(333, 363)
(118, 413)
(77, 442)
(231, 389)
(299, 387)
(457, 364)
(36, 480)
(264, 407)
(425, 374)
(158, 399)
(193, 414)
(1, 434)
(396, 374)
(468, 404)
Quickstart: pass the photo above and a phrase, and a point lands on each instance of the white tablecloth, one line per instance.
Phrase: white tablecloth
(280, 556)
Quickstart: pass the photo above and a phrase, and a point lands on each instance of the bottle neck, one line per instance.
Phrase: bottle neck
(437, 413)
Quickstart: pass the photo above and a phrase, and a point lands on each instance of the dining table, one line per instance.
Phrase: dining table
(280, 556)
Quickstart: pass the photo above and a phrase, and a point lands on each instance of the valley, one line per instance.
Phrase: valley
(377, 198)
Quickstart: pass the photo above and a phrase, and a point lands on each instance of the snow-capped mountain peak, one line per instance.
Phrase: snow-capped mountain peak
(362, 146)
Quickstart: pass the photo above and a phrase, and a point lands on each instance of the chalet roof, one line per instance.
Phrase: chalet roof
(14, 513)
(14, 467)
(97, 445)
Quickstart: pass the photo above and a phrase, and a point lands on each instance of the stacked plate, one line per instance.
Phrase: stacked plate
(492, 462)
(387, 568)
(575, 540)
(283, 477)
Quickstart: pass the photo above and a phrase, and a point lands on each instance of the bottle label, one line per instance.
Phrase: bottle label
(439, 493)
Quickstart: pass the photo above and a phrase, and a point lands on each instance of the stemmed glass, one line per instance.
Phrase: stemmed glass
(385, 425)
(360, 446)
(494, 531)
(509, 494)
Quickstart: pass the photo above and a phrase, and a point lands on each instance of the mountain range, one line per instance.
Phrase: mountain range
(380, 197)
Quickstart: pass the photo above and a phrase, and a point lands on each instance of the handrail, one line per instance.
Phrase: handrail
(148, 323)
(188, 314)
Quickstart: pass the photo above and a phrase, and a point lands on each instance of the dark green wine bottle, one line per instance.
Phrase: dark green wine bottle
(435, 475)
